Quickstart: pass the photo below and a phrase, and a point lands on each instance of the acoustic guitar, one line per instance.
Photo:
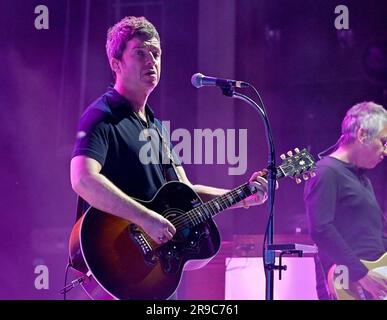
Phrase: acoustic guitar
(120, 261)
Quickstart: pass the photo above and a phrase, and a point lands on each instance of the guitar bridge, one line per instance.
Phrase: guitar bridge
(142, 242)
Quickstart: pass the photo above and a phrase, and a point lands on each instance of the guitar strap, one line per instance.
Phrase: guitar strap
(167, 150)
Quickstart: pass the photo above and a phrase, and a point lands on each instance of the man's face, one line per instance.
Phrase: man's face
(140, 65)
(372, 151)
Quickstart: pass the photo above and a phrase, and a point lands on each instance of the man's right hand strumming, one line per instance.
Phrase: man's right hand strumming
(157, 227)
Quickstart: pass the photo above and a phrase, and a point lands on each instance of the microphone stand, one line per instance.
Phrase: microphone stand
(268, 255)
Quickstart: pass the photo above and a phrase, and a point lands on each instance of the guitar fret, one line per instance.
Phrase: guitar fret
(241, 194)
(220, 203)
(230, 199)
(206, 213)
(209, 211)
(198, 215)
(236, 196)
(217, 206)
(252, 189)
(224, 202)
(191, 214)
(213, 208)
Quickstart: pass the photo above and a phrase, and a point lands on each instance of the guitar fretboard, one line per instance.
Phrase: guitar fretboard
(293, 166)
(214, 206)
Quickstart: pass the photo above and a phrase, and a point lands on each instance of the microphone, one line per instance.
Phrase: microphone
(199, 80)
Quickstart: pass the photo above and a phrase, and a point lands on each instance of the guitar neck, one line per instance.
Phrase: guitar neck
(213, 207)
(293, 166)
(229, 199)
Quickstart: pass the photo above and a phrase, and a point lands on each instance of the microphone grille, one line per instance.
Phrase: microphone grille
(197, 80)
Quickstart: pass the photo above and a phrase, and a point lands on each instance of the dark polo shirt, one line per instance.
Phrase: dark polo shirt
(109, 132)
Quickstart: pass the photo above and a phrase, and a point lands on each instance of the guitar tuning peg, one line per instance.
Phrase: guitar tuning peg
(298, 180)
(290, 153)
(312, 174)
(297, 150)
(282, 156)
(305, 176)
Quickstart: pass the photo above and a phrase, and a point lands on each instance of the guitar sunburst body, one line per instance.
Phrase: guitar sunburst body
(128, 263)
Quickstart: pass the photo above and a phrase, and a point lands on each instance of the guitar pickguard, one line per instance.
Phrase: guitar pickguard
(188, 244)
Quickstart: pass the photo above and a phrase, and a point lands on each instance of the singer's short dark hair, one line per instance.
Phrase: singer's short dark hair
(125, 30)
(366, 115)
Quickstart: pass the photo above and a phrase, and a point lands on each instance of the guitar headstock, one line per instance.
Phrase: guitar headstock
(296, 165)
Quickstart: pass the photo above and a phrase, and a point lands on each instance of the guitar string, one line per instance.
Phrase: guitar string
(192, 215)
(195, 214)
(223, 202)
(181, 221)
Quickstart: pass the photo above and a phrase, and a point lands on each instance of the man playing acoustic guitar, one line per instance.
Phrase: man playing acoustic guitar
(106, 169)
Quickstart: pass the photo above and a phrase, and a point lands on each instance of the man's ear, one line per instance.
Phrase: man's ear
(362, 135)
(115, 65)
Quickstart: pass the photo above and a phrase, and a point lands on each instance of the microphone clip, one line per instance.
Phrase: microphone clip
(227, 91)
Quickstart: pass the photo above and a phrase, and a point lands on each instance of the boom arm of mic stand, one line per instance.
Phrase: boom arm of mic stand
(268, 256)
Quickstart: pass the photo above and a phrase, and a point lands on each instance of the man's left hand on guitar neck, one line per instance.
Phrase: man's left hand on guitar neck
(261, 196)
(207, 193)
